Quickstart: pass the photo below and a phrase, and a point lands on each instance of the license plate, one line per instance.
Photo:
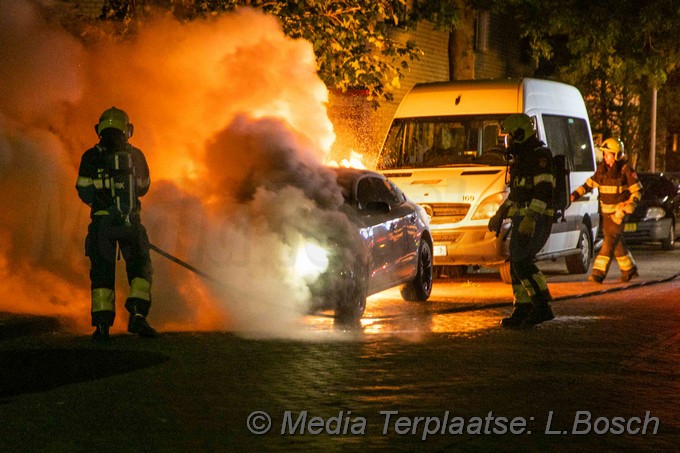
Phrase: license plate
(439, 250)
(630, 227)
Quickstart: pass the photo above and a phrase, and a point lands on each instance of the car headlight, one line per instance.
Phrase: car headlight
(488, 207)
(310, 260)
(655, 213)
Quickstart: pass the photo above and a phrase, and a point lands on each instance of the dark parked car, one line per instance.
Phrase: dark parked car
(657, 215)
(392, 247)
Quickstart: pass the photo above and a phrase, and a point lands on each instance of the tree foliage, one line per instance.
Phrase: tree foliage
(614, 50)
(353, 40)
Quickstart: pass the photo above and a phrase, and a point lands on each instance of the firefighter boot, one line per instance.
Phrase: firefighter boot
(519, 314)
(595, 278)
(541, 312)
(600, 267)
(138, 324)
(628, 275)
(101, 333)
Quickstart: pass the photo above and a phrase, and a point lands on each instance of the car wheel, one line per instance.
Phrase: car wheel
(351, 305)
(506, 275)
(669, 242)
(420, 287)
(580, 262)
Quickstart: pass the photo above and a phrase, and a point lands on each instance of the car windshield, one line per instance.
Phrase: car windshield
(656, 187)
(442, 142)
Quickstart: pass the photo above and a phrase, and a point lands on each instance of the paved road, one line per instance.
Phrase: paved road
(605, 375)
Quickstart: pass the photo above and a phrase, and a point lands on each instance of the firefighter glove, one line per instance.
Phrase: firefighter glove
(496, 222)
(527, 226)
(618, 216)
(628, 207)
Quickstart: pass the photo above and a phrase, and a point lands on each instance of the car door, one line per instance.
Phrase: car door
(406, 230)
(377, 233)
(388, 218)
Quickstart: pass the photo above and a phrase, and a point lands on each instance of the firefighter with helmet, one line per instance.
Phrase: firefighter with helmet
(619, 192)
(530, 206)
(112, 176)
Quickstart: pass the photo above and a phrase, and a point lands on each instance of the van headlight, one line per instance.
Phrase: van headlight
(655, 213)
(488, 207)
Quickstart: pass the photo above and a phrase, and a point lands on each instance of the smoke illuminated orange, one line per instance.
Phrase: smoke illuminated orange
(214, 104)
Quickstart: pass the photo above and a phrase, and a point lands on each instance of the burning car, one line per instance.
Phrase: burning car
(392, 247)
(657, 214)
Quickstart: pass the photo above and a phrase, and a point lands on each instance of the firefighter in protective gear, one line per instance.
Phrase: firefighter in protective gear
(112, 176)
(619, 192)
(530, 206)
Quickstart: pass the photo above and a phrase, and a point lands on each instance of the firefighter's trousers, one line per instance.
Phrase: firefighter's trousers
(106, 235)
(612, 246)
(528, 282)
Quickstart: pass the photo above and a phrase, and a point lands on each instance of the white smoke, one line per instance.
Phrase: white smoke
(231, 116)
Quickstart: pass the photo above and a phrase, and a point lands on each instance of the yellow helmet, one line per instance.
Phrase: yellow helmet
(614, 146)
(115, 118)
(519, 127)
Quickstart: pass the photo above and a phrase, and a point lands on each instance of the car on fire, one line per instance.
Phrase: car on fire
(393, 247)
(657, 214)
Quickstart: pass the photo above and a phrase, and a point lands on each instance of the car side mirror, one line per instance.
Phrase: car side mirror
(377, 207)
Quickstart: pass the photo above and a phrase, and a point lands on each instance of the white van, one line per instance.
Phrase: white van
(441, 150)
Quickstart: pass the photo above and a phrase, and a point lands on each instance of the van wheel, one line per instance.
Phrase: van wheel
(506, 276)
(580, 262)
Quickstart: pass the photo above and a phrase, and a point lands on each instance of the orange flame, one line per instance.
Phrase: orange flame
(211, 101)
(355, 160)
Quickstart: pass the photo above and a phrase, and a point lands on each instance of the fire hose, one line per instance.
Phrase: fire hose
(189, 267)
(183, 263)
(474, 307)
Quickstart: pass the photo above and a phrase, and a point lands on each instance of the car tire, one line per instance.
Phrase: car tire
(506, 275)
(351, 305)
(579, 263)
(420, 288)
(669, 242)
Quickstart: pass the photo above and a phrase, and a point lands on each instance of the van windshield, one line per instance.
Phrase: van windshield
(443, 141)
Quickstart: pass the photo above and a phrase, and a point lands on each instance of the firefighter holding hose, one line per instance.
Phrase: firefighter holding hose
(112, 176)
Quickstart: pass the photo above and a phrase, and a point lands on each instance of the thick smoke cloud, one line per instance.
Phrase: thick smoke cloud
(231, 116)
